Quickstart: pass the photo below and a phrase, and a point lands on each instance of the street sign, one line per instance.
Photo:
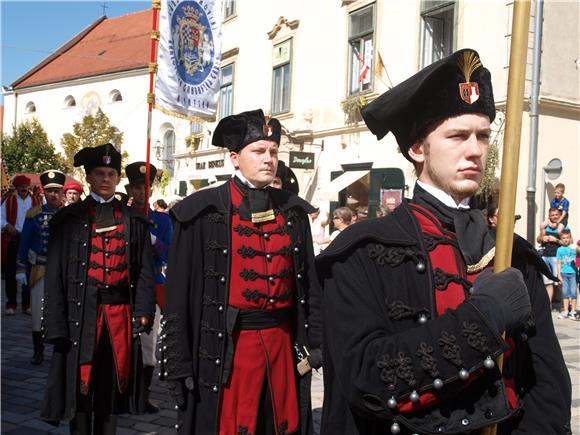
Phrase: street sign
(301, 160)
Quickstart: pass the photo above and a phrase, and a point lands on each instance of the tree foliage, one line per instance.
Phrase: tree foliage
(28, 149)
(92, 131)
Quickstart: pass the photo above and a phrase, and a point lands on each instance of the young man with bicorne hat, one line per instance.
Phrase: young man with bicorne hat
(161, 235)
(33, 249)
(99, 298)
(14, 209)
(414, 314)
(242, 322)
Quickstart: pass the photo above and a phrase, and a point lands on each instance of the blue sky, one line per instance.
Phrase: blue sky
(32, 30)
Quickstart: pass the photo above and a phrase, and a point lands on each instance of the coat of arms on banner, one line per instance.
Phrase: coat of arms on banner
(193, 44)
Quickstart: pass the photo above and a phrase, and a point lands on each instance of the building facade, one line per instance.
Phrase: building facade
(312, 65)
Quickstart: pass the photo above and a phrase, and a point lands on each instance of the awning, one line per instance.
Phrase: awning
(329, 192)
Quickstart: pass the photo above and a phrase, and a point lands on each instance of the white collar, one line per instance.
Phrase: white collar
(101, 200)
(444, 197)
(243, 179)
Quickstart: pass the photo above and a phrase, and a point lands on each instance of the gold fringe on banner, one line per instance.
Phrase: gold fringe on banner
(155, 34)
(152, 67)
(156, 4)
(193, 118)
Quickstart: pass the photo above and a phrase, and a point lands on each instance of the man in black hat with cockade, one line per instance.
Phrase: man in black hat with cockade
(99, 296)
(33, 248)
(285, 178)
(242, 327)
(414, 315)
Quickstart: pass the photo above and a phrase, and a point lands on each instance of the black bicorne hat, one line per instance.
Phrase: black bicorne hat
(452, 86)
(236, 131)
(52, 178)
(100, 156)
(136, 173)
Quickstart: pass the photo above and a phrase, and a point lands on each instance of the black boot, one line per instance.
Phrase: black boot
(38, 344)
(104, 424)
(150, 408)
(80, 424)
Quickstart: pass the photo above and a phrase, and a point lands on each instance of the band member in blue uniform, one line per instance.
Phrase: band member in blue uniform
(161, 234)
(99, 298)
(33, 249)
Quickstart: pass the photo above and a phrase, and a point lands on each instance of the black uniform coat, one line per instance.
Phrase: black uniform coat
(70, 303)
(196, 314)
(382, 336)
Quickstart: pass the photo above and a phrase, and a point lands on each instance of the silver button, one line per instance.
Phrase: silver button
(220, 335)
(176, 407)
(81, 283)
(489, 363)
(437, 383)
(392, 403)
(420, 267)
(41, 318)
(225, 252)
(76, 343)
(463, 374)
(83, 264)
(107, 286)
(306, 325)
(78, 304)
(77, 324)
(223, 279)
(86, 225)
(465, 422)
(271, 279)
(215, 389)
(414, 396)
(217, 362)
(395, 428)
(266, 235)
(166, 374)
(268, 256)
(422, 319)
(289, 223)
(84, 244)
(302, 301)
(106, 240)
(272, 300)
(220, 308)
(299, 276)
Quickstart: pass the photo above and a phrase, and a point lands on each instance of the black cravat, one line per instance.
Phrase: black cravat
(468, 224)
(256, 205)
(104, 215)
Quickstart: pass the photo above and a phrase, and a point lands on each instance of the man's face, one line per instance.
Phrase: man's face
(257, 162)
(103, 181)
(54, 197)
(554, 216)
(72, 196)
(452, 157)
(22, 190)
(276, 183)
(138, 194)
(558, 194)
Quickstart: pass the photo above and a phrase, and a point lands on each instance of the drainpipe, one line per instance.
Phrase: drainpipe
(534, 119)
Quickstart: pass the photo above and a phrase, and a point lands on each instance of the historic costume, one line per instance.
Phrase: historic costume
(32, 255)
(161, 234)
(409, 345)
(14, 209)
(99, 295)
(242, 302)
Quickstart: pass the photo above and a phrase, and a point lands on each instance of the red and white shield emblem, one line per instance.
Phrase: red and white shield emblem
(469, 92)
(267, 129)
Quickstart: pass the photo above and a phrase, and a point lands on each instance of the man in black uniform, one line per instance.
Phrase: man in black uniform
(242, 296)
(99, 296)
(413, 313)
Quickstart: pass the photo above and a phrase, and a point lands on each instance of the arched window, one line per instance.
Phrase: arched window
(70, 101)
(30, 107)
(115, 96)
(169, 149)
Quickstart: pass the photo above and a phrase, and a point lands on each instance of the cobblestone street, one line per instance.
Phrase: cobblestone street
(23, 384)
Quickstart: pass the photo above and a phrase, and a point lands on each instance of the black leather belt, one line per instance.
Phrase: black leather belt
(248, 320)
(114, 295)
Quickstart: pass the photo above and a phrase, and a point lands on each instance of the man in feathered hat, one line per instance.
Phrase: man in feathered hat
(424, 312)
(242, 299)
(33, 250)
(99, 298)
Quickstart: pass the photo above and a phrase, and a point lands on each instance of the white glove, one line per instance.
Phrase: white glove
(21, 278)
(153, 239)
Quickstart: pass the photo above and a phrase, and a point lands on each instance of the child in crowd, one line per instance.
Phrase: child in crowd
(566, 255)
(561, 203)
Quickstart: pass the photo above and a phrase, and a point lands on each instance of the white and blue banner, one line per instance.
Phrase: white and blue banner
(189, 58)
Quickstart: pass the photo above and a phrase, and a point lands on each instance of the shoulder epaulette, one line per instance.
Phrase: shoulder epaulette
(34, 211)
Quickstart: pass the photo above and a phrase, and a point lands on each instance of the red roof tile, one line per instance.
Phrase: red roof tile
(108, 45)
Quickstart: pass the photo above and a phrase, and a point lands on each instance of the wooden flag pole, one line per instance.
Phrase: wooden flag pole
(156, 6)
(511, 146)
